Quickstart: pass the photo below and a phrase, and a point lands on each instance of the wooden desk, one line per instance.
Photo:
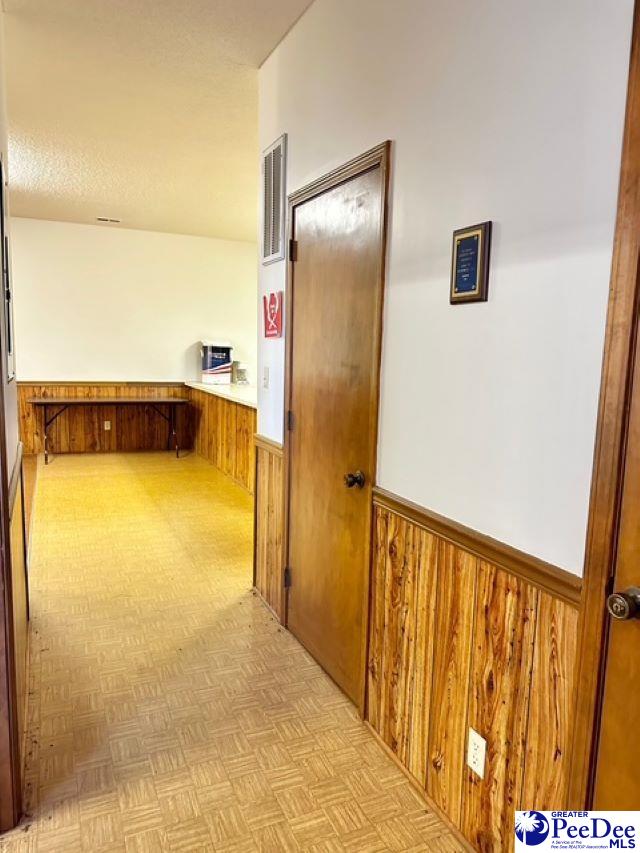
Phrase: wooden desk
(61, 404)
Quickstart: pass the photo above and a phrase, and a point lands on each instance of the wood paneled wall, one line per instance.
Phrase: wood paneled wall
(219, 429)
(268, 539)
(19, 599)
(456, 641)
(81, 430)
(223, 434)
(29, 477)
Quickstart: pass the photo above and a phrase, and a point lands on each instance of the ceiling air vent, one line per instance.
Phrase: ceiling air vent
(274, 170)
(108, 219)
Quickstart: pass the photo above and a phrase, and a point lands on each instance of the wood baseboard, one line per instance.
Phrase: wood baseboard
(264, 601)
(546, 576)
(418, 787)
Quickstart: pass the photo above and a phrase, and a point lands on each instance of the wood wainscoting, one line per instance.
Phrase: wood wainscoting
(268, 535)
(471, 634)
(29, 478)
(223, 433)
(19, 599)
(81, 430)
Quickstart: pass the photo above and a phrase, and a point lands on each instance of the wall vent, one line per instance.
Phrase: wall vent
(274, 170)
(108, 219)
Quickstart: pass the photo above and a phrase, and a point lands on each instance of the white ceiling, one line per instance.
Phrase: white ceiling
(141, 110)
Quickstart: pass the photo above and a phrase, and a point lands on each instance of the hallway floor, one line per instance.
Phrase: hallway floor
(167, 708)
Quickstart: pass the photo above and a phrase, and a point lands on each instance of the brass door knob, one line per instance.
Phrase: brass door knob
(354, 479)
(624, 605)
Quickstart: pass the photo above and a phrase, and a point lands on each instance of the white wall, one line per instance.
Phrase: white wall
(505, 110)
(98, 303)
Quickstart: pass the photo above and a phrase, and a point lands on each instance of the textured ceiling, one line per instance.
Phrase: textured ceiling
(140, 110)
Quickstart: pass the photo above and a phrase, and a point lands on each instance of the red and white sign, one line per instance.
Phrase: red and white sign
(272, 305)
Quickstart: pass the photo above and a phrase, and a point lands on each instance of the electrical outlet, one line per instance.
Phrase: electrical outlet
(107, 425)
(476, 752)
(265, 377)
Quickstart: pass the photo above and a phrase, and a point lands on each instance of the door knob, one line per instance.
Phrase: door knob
(624, 605)
(354, 479)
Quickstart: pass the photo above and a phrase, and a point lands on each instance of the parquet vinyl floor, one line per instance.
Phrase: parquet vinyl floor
(168, 711)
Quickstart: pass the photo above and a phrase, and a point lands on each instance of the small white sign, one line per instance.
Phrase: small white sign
(539, 831)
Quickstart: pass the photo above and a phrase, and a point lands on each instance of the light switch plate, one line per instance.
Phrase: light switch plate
(265, 377)
(107, 425)
(476, 752)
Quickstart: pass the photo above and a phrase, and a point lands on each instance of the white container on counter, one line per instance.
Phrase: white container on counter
(217, 358)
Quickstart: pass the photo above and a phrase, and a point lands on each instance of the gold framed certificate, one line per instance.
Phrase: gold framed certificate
(470, 264)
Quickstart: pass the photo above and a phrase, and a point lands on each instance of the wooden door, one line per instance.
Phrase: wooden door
(333, 365)
(617, 784)
(605, 760)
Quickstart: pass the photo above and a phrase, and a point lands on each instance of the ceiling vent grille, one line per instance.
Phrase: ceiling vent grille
(273, 200)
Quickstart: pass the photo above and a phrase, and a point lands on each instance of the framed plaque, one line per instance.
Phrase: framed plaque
(470, 264)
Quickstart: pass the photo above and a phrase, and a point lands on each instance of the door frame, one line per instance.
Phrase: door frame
(378, 157)
(10, 752)
(610, 449)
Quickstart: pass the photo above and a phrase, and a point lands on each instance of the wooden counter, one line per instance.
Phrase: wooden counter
(219, 424)
(223, 432)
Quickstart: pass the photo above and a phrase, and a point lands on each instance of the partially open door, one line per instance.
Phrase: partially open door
(617, 782)
(605, 762)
